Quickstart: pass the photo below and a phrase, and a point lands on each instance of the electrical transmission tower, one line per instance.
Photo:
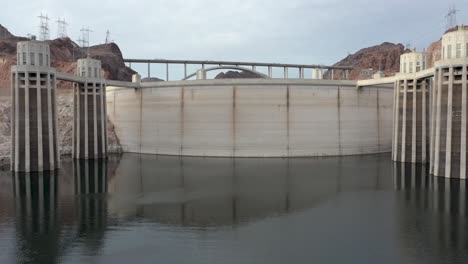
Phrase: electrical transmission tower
(44, 27)
(84, 38)
(408, 45)
(61, 28)
(451, 17)
(108, 39)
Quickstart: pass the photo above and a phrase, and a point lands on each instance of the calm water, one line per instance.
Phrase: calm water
(152, 209)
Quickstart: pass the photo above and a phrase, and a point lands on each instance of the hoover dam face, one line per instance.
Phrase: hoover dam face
(253, 118)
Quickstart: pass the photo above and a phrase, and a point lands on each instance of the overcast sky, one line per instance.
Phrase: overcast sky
(289, 31)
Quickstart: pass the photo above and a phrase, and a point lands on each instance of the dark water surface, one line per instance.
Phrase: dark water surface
(154, 209)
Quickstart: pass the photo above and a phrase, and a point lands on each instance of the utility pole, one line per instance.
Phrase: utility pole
(108, 39)
(83, 40)
(408, 45)
(44, 27)
(451, 17)
(61, 28)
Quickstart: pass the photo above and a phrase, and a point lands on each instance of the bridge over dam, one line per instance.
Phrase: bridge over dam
(419, 115)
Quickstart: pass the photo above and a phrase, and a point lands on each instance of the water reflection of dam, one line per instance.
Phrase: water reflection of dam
(53, 210)
(53, 216)
(190, 190)
(57, 214)
(432, 213)
(204, 191)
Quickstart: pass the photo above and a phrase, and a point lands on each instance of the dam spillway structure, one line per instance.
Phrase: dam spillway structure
(34, 115)
(411, 110)
(449, 124)
(89, 108)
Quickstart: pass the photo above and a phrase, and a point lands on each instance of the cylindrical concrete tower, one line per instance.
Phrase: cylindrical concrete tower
(34, 116)
(449, 124)
(201, 74)
(411, 120)
(317, 74)
(413, 62)
(89, 127)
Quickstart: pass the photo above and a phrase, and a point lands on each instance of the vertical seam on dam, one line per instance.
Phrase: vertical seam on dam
(463, 126)
(358, 100)
(378, 121)
(182, 114)
(234, 92)
(287, 119)
(338, 102)
(141, 117)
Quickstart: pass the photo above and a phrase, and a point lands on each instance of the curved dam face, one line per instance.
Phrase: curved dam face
(253, 118)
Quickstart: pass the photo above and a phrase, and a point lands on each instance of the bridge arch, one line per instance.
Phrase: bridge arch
(227, 68)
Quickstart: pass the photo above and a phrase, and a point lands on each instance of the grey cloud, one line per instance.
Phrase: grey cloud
(298, 31)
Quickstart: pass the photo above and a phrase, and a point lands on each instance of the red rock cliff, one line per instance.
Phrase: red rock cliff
(384, 57)
(64, 53)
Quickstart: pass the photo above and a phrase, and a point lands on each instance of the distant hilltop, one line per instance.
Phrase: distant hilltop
(64, 54)
(4, 33)
(384, 57)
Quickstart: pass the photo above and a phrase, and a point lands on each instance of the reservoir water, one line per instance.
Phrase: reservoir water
(161, 209)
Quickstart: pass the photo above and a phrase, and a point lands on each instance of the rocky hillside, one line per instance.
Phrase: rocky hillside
(64, 53)
(237, 75)
(384, 57)
(4, 33)
(434, 53)
(152, 79)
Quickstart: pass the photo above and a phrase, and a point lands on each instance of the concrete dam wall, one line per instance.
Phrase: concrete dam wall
(253, 118)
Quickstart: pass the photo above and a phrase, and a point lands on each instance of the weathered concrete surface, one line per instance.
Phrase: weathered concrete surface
(65, 123)
(449, 119)
(411, 120)
(253, 118)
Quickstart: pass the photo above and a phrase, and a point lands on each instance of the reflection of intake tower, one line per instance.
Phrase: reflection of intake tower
(411, 111)
(449, 124)
(89, 127)
(34, 119)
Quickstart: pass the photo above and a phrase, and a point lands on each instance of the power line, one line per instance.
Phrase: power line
(83, 40)
(108, 39)
(61, 28)
(451, 17)
(44, 27)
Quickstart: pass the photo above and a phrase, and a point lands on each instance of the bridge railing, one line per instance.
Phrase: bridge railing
(328, 72)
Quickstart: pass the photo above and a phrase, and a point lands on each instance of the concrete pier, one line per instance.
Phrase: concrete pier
(411, 120)
(89, 107)
(450, 120)
(449, 124)
(34, 115)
